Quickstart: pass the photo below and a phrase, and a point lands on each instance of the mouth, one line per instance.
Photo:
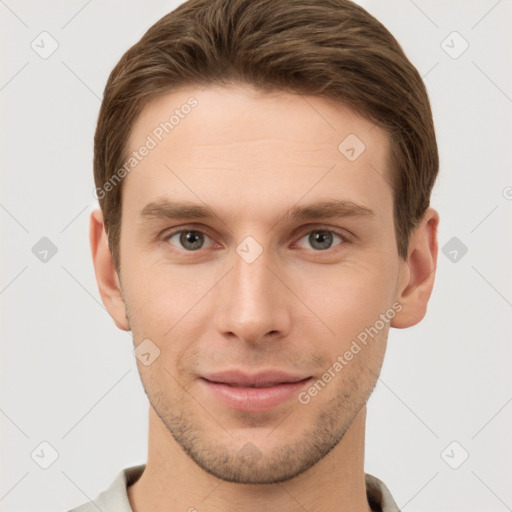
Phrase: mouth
(257, 392)
(264, 385)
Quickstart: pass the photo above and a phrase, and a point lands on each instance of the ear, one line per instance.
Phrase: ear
(418, 272)
(106, 275)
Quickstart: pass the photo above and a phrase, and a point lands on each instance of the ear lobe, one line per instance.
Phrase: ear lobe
(419, 272)
(106, 276)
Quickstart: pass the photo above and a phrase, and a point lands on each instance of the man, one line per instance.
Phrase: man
(264, 171)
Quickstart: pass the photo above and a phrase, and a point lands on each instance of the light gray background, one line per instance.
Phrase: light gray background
(69, 376)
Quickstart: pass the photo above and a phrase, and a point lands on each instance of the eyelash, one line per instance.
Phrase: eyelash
(344, 237)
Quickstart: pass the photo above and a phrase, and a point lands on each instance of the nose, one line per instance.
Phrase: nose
(254, 301)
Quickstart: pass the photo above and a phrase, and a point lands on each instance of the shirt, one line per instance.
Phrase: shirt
(115, 498)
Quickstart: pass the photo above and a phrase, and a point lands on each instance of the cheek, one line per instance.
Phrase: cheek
(167, 304)
(348, 297)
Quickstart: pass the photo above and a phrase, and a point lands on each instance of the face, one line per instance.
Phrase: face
(259, 257)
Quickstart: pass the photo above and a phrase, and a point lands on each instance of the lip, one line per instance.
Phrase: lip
(238, 390)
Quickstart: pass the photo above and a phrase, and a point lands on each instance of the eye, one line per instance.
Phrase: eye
(321, 239)
(191, 240)
(188, 239)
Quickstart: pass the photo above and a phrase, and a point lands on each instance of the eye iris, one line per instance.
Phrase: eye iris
(191, 237)
(323, 237)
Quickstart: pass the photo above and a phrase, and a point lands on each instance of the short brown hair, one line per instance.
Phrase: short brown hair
(329, 48)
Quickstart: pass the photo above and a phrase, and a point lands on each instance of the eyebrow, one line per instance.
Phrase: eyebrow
(166, 209)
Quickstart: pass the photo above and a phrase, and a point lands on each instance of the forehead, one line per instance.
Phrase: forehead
(241, 146)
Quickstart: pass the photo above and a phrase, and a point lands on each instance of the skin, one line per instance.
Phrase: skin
(252, 157)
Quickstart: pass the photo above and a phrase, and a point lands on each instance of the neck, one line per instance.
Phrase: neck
(173, 482)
